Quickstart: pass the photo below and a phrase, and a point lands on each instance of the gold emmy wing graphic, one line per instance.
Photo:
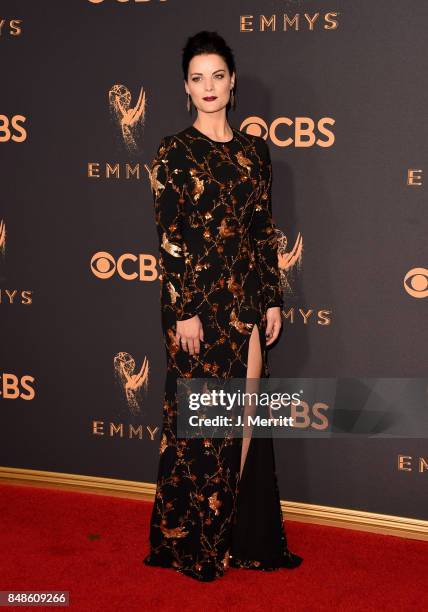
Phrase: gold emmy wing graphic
(129, 118)
(287, 260)
(2, 238)
(131, 382)
(2, 249)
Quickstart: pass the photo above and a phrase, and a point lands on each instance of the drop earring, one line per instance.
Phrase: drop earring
(189, 107)
(232, 100)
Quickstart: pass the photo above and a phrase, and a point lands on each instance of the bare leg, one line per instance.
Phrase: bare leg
(254, 368)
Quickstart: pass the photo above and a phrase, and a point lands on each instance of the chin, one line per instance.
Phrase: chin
(209, 106)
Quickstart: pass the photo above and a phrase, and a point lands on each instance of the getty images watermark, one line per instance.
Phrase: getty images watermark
(302, 407)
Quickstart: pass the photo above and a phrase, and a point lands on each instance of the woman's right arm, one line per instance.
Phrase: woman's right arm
(168, 183)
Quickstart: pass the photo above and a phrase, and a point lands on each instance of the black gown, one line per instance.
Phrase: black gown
(218, 259)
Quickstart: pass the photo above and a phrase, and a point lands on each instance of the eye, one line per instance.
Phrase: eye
(195, 78)
(220, 75)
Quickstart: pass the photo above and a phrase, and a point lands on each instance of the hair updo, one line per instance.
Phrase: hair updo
(207, 42)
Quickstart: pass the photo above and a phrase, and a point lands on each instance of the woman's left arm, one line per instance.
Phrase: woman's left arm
(265, 237)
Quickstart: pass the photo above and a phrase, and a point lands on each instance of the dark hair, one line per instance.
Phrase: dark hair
(207, 42)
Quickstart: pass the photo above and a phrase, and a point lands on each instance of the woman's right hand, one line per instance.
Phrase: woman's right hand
(189, 334)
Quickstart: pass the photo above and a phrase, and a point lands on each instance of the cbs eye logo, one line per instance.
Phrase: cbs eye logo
(127, 266)
(416, 282)
(10, 129)
(300, 131)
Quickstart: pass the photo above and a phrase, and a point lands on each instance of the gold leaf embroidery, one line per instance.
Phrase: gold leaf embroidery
(163, 444)
(176, 532)
(225, 229)
(243, 328)
(170, 247)
(214, 503)
(244, 161)
(155, 185)
(198, 185)
(172, 292)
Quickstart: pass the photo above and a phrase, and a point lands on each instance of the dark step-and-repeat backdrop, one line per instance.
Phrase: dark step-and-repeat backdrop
(339, 90)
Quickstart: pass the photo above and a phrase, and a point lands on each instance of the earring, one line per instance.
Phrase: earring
(188, 104)
(232, 100)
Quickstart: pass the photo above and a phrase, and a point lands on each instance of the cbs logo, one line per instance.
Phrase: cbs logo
(416, 282)
(128, 266)
(10, 129)
(11, 387)
(303, 131)
(307, 417)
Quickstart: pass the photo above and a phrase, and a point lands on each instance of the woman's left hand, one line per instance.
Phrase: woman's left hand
(273, 324)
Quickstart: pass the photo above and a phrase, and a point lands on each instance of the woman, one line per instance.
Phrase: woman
(217, 502)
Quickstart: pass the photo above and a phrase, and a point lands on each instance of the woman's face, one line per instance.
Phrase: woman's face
(209, 82)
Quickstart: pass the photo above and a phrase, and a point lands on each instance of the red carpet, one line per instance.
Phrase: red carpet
(93, 546)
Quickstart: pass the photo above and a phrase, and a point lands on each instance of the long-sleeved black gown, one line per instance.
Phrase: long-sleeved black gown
(218, 259)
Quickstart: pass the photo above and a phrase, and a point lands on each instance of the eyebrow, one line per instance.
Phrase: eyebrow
(218, 70)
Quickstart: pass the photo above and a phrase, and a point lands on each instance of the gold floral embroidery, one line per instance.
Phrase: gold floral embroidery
(214, 503)
(163, 444)
(155, 185)
(176, 532)
(172, 292)
(198, 185)
(225, 229)
(235, 287)
(226, 559)
(244, 161)
(243, 328)
(169, 247)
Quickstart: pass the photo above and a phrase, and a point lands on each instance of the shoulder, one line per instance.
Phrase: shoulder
(169, 148)
(170, 161)
(176, 142)
(262, 147)
(165, 141)
(260, 144)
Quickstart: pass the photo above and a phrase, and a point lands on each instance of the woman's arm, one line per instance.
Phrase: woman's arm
(168, 183)
(264, 235)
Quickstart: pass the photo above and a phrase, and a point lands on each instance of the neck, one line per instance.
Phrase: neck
(215, 127)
